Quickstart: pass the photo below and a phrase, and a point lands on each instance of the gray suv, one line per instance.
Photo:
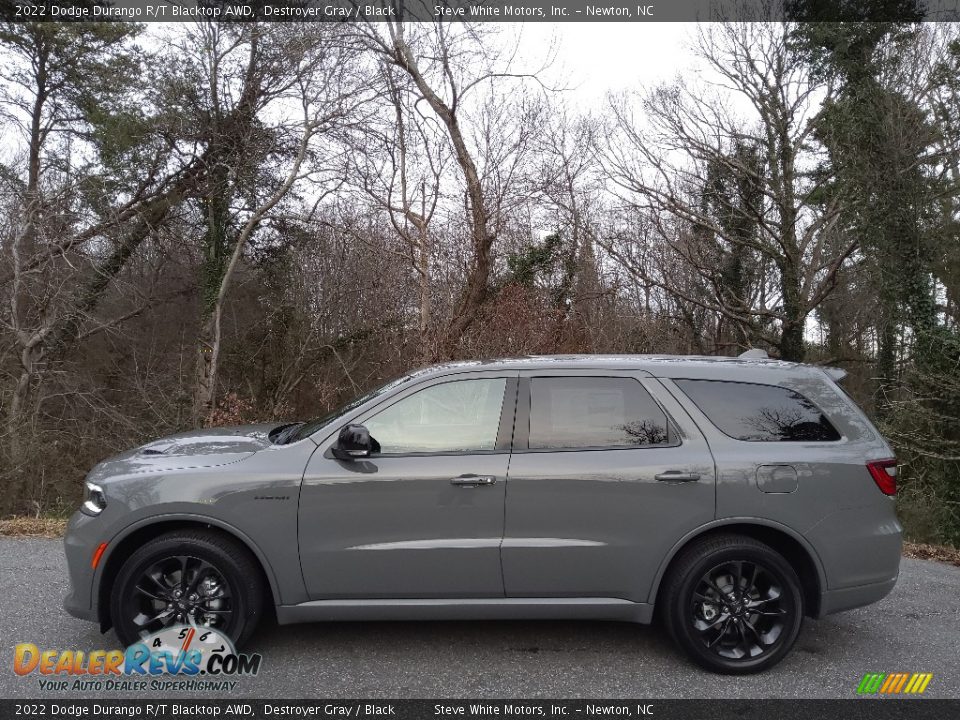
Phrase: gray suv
(730, 496)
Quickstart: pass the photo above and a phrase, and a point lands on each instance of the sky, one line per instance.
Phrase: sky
(590, 59)
(595, 58)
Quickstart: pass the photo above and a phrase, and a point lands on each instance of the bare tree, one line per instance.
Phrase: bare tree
(571, 186)
(447, 63)
(399, 164)
(65, 246)
(776, 208)
(299, 75)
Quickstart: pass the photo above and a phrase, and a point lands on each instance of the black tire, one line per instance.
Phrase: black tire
(724, 629)
(220, 572)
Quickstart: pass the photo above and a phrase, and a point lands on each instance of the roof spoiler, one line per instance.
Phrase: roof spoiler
(754, 354)
(835, 373)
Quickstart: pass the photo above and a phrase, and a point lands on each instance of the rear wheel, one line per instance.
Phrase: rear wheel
(733, 604)
(201, 578)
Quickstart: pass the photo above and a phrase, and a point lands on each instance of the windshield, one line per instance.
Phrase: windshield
(309, 428)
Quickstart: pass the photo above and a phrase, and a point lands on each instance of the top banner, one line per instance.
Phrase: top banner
(476, 10)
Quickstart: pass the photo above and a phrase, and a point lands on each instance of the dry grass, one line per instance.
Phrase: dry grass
(33, 527)
(924, 551)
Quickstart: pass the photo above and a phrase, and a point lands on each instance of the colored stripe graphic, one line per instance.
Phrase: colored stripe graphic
(903, 679)
(923, 679)
(890, 681)
(894, 683)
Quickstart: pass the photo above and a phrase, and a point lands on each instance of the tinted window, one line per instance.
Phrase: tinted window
(571, 412)
(759, 413)
(462, 415)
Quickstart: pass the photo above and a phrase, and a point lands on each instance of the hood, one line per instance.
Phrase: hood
(193, 449)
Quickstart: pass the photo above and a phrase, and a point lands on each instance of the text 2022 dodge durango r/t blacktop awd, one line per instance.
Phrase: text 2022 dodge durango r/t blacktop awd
(734, 496)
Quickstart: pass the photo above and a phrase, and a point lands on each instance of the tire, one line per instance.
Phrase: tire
(723, 630)
(221, 575)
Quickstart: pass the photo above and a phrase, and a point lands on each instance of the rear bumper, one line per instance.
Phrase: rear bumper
(859, 549)
(833, 601)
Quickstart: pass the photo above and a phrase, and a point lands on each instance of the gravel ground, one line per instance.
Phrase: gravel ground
(915, 629)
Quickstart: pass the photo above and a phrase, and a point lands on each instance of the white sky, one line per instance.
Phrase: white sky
(595, 58)
(591, 59)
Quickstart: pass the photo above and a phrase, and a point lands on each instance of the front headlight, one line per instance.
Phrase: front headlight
(94, 499)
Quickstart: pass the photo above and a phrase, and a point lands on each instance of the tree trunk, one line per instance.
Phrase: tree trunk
(24, 245)
(425, 294)
(208, 362)
(886, 356)
(216, 207)
(211, 334)
(475, 291)
(18, 402)
(794, 315)
(587, 292)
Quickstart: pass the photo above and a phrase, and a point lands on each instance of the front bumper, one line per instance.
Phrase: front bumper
(78, 608)
(79, 543)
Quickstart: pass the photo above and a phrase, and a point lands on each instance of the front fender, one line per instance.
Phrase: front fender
(180, 519)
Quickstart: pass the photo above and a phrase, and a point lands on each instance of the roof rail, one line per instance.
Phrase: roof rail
(835, 373)
(754, 354)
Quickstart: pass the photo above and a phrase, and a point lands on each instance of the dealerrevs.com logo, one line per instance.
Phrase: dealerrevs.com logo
(181, 657)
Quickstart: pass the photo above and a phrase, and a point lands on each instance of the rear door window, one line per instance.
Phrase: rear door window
(759, 413)
(594, 412)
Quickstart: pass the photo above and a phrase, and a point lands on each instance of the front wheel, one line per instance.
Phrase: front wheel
(733, 604)
(200, 578)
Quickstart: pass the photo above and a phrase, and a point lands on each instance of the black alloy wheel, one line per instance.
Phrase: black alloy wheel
(739, 610)
(180, 589)
(201, 578)
(733, 604)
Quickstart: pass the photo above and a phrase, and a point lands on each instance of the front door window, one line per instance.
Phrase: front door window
(457, 416)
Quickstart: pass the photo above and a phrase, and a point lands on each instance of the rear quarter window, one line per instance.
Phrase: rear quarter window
(759, 413)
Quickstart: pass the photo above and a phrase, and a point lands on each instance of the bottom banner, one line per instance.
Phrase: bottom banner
(915, 709)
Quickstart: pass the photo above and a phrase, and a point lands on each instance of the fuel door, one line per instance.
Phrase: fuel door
(777, 478)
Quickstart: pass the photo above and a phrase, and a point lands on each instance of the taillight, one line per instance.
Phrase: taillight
(884, 474)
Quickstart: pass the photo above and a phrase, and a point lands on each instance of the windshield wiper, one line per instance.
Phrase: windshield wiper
(283, 433)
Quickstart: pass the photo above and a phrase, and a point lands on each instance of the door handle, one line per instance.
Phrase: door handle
(473, 480)
(677, 476)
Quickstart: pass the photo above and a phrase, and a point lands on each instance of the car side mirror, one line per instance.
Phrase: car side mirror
(354, 442)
